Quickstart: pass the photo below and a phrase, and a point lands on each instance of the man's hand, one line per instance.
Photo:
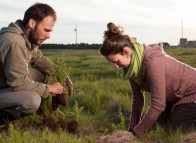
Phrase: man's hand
(55, 88)
(60, 97)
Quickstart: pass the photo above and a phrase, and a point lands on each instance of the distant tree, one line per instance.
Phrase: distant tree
(70, 46)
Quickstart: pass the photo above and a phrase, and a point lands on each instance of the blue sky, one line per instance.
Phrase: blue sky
(150, 21)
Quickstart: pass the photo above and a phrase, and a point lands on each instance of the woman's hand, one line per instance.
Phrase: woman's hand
(132, 131)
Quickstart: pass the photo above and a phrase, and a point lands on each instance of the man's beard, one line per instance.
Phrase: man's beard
(34, 37)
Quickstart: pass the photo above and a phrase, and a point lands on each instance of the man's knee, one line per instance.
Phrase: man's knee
(33, 105)
(36, 101)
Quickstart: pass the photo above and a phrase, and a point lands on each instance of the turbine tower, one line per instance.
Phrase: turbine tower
(76, 30)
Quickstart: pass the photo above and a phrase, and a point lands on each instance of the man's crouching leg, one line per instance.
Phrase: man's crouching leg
(27, 105)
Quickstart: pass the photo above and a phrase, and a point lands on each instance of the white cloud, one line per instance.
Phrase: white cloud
(150, 21)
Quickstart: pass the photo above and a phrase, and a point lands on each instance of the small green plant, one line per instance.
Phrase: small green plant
(74, 113)
(62, 69)
(122, 119)
(121, 125)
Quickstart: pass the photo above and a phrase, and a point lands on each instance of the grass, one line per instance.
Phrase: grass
(101, 101)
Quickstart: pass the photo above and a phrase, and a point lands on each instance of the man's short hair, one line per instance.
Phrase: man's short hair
(38, 12)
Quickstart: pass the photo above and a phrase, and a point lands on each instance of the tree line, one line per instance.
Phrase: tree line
(70, 46)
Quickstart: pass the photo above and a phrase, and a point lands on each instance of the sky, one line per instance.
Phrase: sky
(150, 21)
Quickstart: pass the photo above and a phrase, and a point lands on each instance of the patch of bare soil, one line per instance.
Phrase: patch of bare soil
(189, 138)
(118, 137)
(55, 124)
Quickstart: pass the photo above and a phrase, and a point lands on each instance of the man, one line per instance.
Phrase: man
(22, 66)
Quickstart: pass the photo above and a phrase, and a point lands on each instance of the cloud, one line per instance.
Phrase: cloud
(149, 21)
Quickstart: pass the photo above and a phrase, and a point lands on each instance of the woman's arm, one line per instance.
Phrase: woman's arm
(156, 77)
(137, 104)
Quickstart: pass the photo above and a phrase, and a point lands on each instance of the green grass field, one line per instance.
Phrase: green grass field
(101, 102)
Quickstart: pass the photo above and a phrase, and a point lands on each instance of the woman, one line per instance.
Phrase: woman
(171, 83)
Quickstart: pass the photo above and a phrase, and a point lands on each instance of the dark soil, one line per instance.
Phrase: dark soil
(54, 124)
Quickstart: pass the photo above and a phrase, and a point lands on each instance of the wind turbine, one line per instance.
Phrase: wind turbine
(76, 30)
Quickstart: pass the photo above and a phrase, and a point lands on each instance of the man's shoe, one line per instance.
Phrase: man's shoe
(8, 115)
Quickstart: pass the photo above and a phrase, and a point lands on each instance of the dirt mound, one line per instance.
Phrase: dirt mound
(189, 138)
(118, 137)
